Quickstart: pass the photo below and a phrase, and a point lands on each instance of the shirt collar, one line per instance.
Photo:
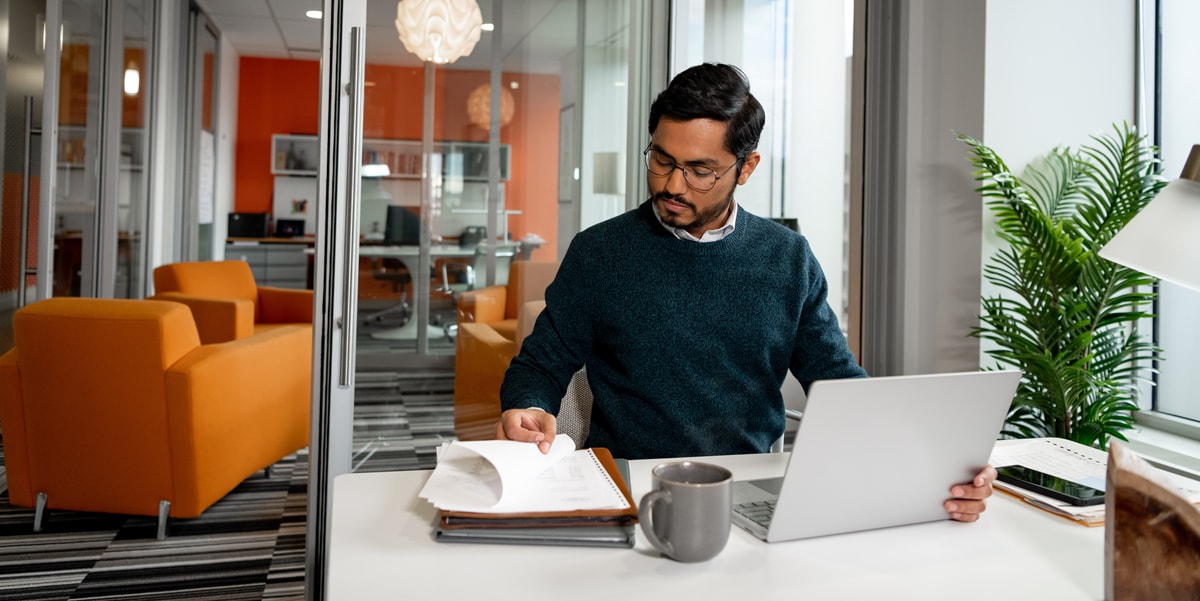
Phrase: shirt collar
(709, 236)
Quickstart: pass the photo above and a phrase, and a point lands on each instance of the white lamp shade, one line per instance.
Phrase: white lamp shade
(1163, 240)
(439, 31)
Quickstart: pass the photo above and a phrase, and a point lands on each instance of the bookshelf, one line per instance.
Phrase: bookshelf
(293, 154)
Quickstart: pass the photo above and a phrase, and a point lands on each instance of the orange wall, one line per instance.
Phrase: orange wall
(283, 96)
(274, 97)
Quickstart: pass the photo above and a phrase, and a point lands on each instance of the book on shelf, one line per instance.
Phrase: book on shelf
(1071, 461)
(510, 492)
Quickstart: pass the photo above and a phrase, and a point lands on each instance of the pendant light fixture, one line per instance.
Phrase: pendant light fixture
(479, 106)
(439, 31)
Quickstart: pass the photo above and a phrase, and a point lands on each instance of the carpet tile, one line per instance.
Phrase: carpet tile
(248, 546)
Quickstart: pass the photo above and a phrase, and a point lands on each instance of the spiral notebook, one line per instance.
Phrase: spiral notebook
(581, 528)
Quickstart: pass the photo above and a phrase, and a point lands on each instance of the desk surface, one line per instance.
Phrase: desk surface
(382, 548)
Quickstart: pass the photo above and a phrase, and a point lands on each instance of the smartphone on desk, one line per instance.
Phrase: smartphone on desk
(1051, 486)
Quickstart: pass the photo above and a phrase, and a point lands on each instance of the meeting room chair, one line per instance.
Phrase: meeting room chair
(402, 227)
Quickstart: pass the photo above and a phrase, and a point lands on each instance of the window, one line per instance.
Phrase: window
(1175, 93)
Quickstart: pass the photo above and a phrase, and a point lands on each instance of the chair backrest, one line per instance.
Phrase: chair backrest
(218, 279)
(84, 362)
(525, 320)
(527, 281)
(575, 416)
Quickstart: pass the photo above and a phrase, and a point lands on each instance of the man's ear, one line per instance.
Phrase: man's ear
(748, 166)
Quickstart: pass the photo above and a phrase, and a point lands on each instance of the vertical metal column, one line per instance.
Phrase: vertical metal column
(23, 270)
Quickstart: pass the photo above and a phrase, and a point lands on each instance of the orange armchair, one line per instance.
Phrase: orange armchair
(226, 301)
(498, 305)
(114, 406)
(481, 357)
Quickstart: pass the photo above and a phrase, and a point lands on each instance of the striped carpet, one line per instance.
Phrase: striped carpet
(247, 546)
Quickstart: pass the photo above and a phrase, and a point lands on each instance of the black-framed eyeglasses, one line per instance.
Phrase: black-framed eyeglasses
(698, 177)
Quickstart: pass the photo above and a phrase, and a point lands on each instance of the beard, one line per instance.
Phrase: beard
(709, 216)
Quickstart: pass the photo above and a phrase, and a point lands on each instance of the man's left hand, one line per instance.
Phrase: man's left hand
(969, 499)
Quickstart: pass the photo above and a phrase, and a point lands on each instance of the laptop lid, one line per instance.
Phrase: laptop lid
(879, 452)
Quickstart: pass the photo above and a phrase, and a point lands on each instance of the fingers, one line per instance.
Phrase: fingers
(969, 500)
(527, 425)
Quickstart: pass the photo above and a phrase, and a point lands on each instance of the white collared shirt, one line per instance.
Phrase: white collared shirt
(710, 235)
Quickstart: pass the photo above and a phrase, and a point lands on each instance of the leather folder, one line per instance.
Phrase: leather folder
(449, 521)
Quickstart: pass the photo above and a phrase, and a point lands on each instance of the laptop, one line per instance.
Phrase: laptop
(878, 452)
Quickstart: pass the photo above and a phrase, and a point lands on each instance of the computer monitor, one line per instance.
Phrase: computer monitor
(402, 227)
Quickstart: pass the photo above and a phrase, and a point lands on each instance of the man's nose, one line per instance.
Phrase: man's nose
(676, 182)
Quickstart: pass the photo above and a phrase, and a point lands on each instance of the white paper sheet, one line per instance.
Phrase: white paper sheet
(501, 476)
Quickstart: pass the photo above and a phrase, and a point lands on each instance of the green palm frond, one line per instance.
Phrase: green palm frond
(1065, 316)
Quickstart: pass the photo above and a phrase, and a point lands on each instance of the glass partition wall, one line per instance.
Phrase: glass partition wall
(100, 184)
(76, 107)
(450, 196)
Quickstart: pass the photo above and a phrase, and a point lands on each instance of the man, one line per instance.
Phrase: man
(688, 311)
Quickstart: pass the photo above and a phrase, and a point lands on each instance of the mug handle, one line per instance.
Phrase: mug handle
(645, 514)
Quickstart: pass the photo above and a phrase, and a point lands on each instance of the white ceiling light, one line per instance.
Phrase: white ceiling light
(133, 79)
(313, 14)
(439, 31)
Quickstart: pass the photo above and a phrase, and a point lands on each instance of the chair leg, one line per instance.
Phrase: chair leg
(164, 508)
(39, 511)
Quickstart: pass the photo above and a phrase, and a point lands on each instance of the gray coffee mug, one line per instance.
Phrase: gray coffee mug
(687, 511)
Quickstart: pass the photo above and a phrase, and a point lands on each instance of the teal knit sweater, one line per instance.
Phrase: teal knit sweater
(686, 344)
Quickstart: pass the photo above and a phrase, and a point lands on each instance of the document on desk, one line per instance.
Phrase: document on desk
(506, 477)
(1075, 462)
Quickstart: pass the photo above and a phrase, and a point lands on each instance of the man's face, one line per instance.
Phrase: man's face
(700, 143)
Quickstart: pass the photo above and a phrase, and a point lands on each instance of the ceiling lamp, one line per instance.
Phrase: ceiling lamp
(438, 31)
(479, 106)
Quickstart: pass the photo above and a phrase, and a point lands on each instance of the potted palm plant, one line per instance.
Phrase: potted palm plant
(1065, 316)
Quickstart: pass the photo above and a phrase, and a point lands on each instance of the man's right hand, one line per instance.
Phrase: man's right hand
(527, 425)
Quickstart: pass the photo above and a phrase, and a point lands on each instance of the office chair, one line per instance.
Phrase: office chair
(401, 228)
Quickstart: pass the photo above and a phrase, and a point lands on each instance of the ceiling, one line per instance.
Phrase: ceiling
(536, 36)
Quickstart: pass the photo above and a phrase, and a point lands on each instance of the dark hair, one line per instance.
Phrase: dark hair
(718, 92)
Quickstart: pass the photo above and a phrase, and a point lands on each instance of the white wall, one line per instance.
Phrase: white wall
(1054, 80)
(1021, 75)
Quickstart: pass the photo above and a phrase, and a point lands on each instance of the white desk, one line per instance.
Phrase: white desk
(382, 548)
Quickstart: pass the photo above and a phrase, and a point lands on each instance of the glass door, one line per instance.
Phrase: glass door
(445, 174)
(99, 201)
(197, 227)
(23, 39)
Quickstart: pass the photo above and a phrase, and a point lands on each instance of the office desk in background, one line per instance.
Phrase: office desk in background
(382, 548)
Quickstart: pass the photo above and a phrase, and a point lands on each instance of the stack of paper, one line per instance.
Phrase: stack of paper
(504, 491)
(1075, 462)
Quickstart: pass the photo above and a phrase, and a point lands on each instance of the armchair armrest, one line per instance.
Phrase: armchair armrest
(483, 305)
(217, 319)
(284, 305)
(480, 360)
(12, 415)
(234, 408)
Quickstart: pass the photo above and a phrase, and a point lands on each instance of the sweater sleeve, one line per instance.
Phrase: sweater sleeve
(821, 351)
(551, 354)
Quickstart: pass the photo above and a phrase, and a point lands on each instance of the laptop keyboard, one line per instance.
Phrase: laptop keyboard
(759, 512)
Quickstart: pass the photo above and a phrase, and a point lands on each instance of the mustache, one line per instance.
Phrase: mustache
(674, 198)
